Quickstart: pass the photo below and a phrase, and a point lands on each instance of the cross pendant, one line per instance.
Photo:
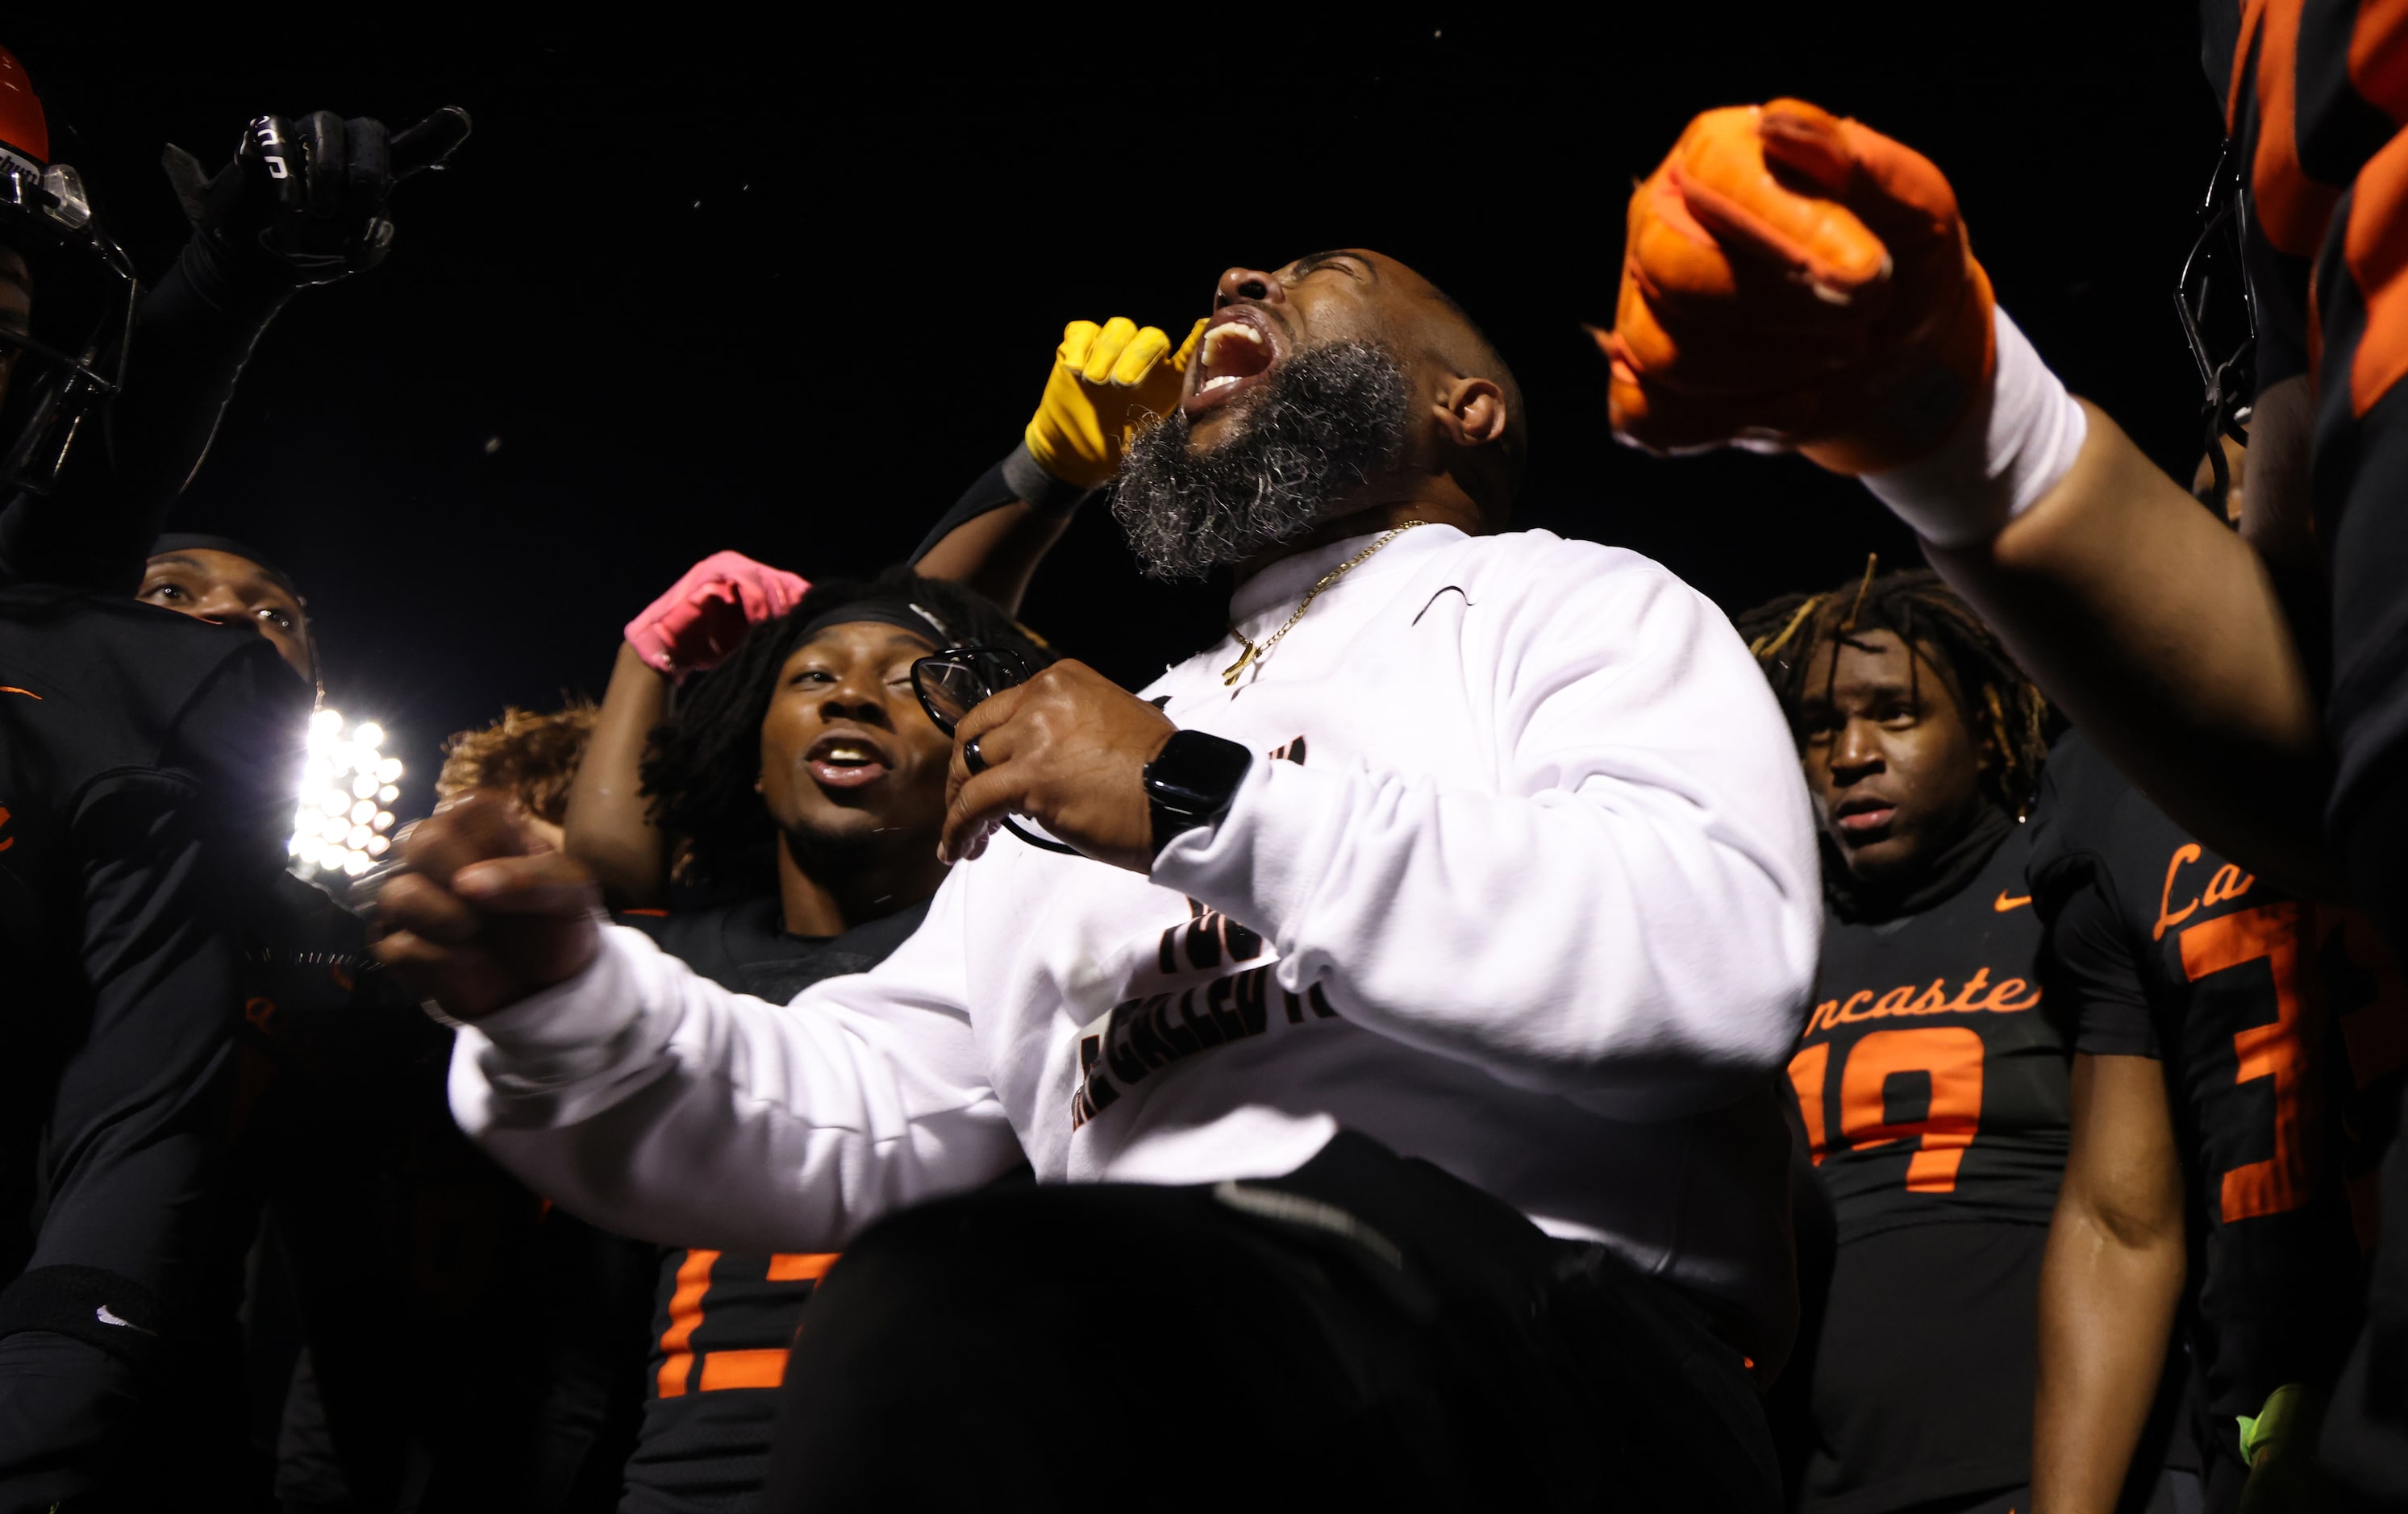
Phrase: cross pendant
(1229, 674)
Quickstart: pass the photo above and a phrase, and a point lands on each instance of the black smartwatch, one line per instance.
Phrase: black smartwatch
(1191, 781)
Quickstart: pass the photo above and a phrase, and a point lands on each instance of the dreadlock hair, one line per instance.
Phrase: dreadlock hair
(532, 755)
(701, 765)
(2003, 707)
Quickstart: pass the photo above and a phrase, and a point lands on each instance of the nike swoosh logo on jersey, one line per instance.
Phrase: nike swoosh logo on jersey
(2005, 902)
(108, 1317)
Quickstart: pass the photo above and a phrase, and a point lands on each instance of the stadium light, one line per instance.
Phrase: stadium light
(339, 825)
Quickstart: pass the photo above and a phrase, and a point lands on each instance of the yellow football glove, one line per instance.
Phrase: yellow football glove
(2279, 1443)
(1107, 382)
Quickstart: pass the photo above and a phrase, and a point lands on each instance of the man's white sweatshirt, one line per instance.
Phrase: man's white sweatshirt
(1523, 882)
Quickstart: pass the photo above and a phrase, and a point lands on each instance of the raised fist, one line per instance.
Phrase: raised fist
(1793, 279)
(483, 913)
(706, 613)
(1107, 382)
(302, 199)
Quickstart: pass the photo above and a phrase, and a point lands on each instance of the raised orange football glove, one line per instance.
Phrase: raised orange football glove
(1796, 280)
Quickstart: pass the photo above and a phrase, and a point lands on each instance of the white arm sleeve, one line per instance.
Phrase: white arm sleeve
(2016, 445)
(1631, 921)
(661, 1106)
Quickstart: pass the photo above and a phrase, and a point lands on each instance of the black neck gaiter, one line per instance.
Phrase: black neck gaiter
(1859, 903)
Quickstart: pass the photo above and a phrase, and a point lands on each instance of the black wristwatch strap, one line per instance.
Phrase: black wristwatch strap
(1191, 782)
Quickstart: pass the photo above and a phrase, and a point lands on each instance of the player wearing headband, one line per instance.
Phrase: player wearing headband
(809, 785)
(800, 900)
(718, 642)
(223, 581)
(1106, 382)
(1479, 849)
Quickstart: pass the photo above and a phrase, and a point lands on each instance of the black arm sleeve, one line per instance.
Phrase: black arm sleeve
(1019, 477)
(193, 334)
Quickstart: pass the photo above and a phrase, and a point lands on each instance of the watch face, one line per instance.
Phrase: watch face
(1196, 772)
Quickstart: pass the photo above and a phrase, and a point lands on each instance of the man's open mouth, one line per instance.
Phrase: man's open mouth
(847, 760)
(1240, 347)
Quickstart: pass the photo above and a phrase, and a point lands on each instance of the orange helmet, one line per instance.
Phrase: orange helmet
(24, 131)
(64, 359)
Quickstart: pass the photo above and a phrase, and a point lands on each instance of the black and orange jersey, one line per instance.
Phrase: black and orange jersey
(724, 1320)
(146, 762)
(146, 769)
(1932, 1073)
(2316, 96)
(2315, 92)
(2283, 1029)
(1932, 1080)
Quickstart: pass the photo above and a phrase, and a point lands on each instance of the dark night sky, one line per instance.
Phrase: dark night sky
(789, 293)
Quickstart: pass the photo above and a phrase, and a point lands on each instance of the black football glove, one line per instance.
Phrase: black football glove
(303, 202)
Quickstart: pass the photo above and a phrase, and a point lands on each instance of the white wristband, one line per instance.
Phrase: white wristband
(2008, 451)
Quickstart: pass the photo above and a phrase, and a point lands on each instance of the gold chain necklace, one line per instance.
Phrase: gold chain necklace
(1255, 654)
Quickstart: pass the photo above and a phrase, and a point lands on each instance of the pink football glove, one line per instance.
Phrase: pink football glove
(693, 626)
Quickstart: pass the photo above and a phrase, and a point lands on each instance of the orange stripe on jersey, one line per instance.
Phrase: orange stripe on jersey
(801, 1266)
(2252, 12)
(2375, 247)
(2291, 207)
(2378, 55)
(762, 1368)
(685, 1313)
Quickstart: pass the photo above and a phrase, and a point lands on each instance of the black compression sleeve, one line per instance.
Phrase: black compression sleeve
(1018, 478)
(91, 1304)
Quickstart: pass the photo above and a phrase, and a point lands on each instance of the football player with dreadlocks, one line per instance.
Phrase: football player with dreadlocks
(807, 783)
(1105, 381)
(1796, 280)
(1932, 1076)
(762, 664)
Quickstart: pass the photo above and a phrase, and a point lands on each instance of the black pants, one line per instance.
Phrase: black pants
(1367, 1332)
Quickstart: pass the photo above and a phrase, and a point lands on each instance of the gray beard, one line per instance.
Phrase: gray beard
(1326, 423)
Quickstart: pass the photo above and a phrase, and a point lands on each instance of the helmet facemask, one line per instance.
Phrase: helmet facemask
(69, 359)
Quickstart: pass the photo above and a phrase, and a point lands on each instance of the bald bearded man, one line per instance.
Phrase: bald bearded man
(1393, 1051)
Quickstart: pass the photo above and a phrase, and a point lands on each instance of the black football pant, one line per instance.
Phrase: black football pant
(1365, 1332)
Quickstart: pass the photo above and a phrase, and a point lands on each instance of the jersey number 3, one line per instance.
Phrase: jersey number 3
(1949, 1055)
(2277, 1051)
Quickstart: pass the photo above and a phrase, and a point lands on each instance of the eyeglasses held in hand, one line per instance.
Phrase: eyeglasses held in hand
(955, 682)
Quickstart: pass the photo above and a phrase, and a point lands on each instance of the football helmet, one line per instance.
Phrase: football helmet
(66, 297)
